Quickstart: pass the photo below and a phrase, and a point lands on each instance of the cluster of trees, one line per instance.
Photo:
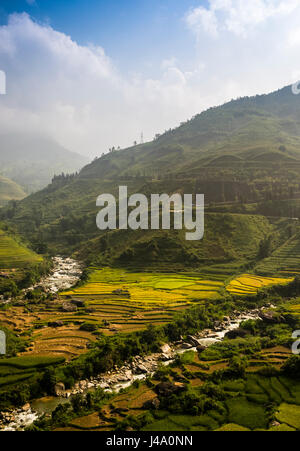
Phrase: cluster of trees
(11, 287)
(63, 179)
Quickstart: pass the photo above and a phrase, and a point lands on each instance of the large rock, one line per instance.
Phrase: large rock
(271, 317)
(167, 389)
(186, 345)
(140, 369)
(26, 407)
(69, 308)
(193, 340)
(59, 389)
(165, 357)
(237, 333)
(152, 404)
(166, 349)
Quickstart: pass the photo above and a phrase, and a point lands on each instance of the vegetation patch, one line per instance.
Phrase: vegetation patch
(290, 415)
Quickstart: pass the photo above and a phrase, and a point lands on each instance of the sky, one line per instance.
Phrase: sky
(96, 74)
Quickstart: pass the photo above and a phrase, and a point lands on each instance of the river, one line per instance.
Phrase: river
(65, 274)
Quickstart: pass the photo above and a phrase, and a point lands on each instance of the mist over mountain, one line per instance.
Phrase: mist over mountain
(32, 160)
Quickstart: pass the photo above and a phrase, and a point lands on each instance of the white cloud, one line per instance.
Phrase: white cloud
(203, 19)
(237, 16)
(294, 37)
(77, 95)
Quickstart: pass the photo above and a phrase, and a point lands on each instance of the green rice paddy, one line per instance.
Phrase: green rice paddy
(14, 255)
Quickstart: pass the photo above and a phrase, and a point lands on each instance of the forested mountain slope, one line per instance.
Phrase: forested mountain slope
(245, 151)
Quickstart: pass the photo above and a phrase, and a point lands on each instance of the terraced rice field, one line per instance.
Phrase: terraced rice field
(116, 301)
(67, 341)
(13, 255)
(244, 408)
(249, 284)
(148, 289)
(284, 262)
(130, 301)
(20, 369)
(295, 309)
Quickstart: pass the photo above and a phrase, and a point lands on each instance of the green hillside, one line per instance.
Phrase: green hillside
(246, 151)
(256, 131)
(284, 261)
(9, 190)
(223, 249)
(14, 255)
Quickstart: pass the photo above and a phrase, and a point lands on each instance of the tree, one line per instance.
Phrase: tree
(49, 380)
(8, 288)
(292, 367)
(282, 149)
(265, 248)
(238, 365)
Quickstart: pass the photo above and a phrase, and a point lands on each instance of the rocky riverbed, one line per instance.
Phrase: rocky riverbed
(141, 367)
(120, 378)
(17, 419)
(65, 274)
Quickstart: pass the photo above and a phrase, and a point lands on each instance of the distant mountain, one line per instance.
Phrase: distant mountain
(32, 160)
(251, 130)
(9, 190)
(244, 152)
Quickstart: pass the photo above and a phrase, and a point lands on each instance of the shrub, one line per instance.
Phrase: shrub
(292, 367)
(88, 327)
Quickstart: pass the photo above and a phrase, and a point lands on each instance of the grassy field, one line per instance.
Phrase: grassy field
(14, 255)
(284, 262)
(289, 414)
(249, 284)
(20, 369)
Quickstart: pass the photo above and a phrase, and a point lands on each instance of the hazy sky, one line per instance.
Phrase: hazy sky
(95, 74)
